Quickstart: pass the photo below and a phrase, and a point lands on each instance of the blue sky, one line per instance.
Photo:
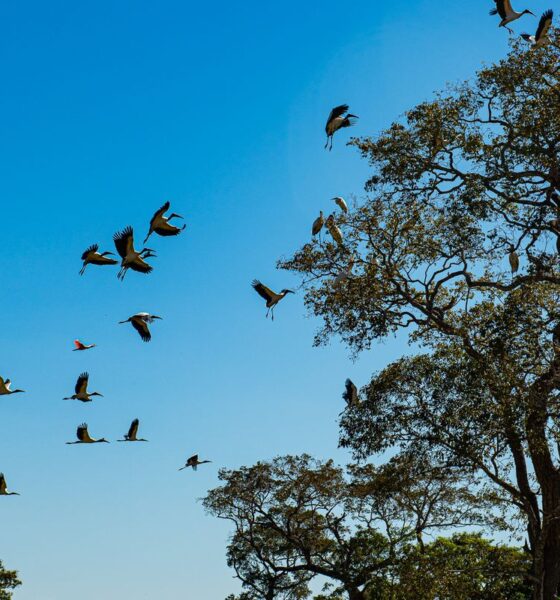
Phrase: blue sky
(109, 109)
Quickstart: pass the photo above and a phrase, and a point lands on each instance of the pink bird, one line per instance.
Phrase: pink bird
(80, 346)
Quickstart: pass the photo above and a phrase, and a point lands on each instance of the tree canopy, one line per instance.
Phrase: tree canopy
(8, 581)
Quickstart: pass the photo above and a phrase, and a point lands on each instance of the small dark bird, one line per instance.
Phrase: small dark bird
(92, 257)
(160, 224)
(541, 37)
(84, 438)
(351, 393)
(4, 489)
(132, 432)
(131, 259)
(318, 224)
(513, 260)
(337, 121)
(194, 462)
(140, 322)
(80, 389)
(506, 12)
(272, 298)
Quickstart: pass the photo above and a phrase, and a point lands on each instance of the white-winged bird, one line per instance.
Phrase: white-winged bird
(80, 390)
(341, 203)
(132, 433)
(513, 258)
(160, 223)
(5, 388)
(339, 118)
(3, 487)
(131, 259)
(541, 36)
(506, 12)
(351, 393)
(80, 347)
(84, 438)
(140, 322)
(92, 257)
(334, 230)
(318, 224)
(272, 298)
(193, 462)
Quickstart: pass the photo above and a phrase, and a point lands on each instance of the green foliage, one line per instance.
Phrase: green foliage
(8, 581)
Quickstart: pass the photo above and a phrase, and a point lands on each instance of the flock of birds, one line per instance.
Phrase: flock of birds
(136, 260)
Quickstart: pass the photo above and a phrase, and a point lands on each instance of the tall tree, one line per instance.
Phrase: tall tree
(8, 581)
(459, 186)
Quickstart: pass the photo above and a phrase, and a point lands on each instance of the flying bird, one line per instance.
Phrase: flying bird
(132, 432)
(80, 346)
(84, 438)
(194, 462)
(160, 223)
(80, 389)
(272, 298)
(541, 37)
(318, 224)
(513, 258)
(334, 230)
(506, 12)
(341, 204)
(92, 257)
(351, 393)
(140, 322)
(3, 487)
(131, 259)
(5, 388)
(339, 118)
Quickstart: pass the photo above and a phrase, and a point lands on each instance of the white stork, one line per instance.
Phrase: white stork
(506, 12)
(334, 230)
(318, 224)
(132, 433)
(84, 438)
(80, 389)
(194, 462)
(272, 298)
(339, 118)
(351, 393)
(160, 224)
(5, 388)
(513, 258)
(92, 257)
(341, 203)
(131, 259)
(81, 347)
(541, 36)
(3, 487)
(140, 322)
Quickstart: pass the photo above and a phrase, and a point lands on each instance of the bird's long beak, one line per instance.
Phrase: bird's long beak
(108, 253)
(356, 116)
(290, 291)
(156, 317)
(176, 215)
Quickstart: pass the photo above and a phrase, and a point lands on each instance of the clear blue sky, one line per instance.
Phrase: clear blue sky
(108, 109)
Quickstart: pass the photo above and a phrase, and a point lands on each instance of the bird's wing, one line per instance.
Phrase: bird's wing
(262, 290)
(337, 111)
(93, 248)
(142, 328)
(133, 429)
(351, 392)
(160, 212)
(82, 433)
(166, 229)
(544, 24)
(500, 8)
(81, 384)
(193, 460)
(79, 345)
(317, 225)
(2, 483)
(3, 386)
(141, 266)
(124, 241)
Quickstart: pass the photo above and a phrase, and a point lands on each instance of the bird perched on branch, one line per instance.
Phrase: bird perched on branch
(92, 257)
(3, 487)
(5, 388)
(541, 36)
(272, 298)
(334, 230)
(339, 118)
(140, 322)
(160, 223)
(193, 462)
(80, 390)
(84, 438)
(351, 393)
(318, 224)
(513, 260)
(131, 259)
(341, 204)
(132, 432)
(506, 12)
(80, 347)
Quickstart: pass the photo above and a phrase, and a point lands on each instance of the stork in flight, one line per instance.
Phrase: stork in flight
(351, 393)
(131, 259)
(92, 257)
(84, 438)
(140, 322)
(132, 433)
(272, 298)
(5, 388)
(341, 203)
(80, 389)
(194, 462)
(541, 36)
(339, 118)
(3, 487)
(160, 224)
(80, 347)
(506, 12)
(318, 224)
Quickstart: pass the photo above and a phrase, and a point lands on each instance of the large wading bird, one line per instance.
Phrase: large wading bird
(84, 438)
(334, 230)
(160, 224)
(132, 433)
(193, 462)
(513, 260)
(140, 322)
(339, 118)
(92, 257)
(541, 36)
(351, 393)
(5, 388)
(3, 487)
(272, 298)
(80, 347)
(341, 203)
(80, 389)
(318, 224)
(131, 259)
(506, 12)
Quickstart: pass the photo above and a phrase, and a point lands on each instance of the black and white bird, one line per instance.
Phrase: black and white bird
(193, 462)
(91, 256)
(132, 433)
(160, 224)
(6, 388)
(541, 36)
(339, 118)
(140, 322)
(334, 230)
(84, 438)
(318, 224)
(351, 393)
(131, 259)
(513, 258)
(341, 203)
(272, 298)
(506, 12)
(80, 390)
(3, 487)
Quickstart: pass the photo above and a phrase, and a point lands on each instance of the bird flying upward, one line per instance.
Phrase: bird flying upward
(5, 388)
(91, 256)
(506, 12)
(338, 118)
(84, 438)
(131, 259)
(80, 390)
(3, 487)
(541, 36)
(80, 346)
(272, 298)
(132, 433)
(140, 322)
(193, 462)
(160, 224)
